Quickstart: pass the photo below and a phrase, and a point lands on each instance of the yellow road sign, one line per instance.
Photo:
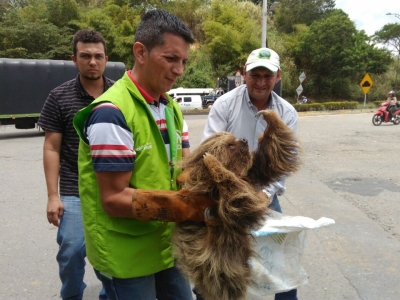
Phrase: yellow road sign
(366, 83)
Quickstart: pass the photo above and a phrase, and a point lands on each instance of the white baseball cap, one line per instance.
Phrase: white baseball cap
(263, 57)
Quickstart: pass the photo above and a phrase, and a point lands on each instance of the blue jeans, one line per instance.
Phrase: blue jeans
(274, 205)
(168, 284)
(290, 295)
(72, 251)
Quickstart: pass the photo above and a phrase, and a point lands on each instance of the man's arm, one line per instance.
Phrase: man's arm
(116, 195)
(291, 120)
(185, 152)
(185, 140)
(51, 164)
(118, 200)
(115, 192)
(216, 120)
(106, 126)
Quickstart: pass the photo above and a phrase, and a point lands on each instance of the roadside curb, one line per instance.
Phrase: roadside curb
(336, 112)
(301, 113)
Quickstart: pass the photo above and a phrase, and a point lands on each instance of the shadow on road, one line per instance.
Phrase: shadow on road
(4, 135)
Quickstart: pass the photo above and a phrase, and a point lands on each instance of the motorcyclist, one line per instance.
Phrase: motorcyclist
(392, 103)
(302, 100)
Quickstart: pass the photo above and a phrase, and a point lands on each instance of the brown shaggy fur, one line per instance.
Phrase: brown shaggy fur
(215, 254)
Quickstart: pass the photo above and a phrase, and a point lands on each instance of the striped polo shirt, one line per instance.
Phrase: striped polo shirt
(110, 139)
(57, 114)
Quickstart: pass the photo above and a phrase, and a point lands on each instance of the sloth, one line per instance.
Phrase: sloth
(215, 254)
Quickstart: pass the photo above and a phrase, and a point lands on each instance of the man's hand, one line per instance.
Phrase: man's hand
(55, 210)
(169, 206)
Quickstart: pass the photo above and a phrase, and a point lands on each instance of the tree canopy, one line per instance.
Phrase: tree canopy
(334, 53)
(292, 12)
(311, 36)
(389, 35)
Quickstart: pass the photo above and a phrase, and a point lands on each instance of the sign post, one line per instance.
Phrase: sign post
(299, 89)
(365, 84)
(302, 77)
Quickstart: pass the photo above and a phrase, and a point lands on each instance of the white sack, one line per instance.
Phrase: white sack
(279, 245)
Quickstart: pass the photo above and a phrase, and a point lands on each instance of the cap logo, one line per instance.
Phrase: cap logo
(264, 54)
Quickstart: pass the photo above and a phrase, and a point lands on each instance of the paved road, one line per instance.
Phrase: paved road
(348, 174)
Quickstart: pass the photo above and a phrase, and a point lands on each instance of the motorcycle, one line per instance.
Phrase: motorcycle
(382, 114)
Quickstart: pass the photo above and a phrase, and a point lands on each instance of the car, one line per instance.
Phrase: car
(189, 102)
(209, 100)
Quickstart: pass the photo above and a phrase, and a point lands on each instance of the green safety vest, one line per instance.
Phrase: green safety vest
(125, 247)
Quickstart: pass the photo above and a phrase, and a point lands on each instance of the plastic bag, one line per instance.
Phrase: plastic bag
(279, 245)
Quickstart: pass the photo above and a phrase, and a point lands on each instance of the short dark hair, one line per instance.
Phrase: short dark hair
(157, 22)
(88, 36)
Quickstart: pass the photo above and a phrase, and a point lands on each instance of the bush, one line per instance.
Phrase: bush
(309, 107)
(340, 105)
(326, 106)
(378, 103)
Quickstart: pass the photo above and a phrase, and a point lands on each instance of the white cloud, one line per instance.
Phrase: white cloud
(370, 15)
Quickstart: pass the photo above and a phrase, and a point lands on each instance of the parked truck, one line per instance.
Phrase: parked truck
(26, 83)
(209, 99)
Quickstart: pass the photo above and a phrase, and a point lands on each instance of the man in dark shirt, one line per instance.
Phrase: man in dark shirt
(60, 156)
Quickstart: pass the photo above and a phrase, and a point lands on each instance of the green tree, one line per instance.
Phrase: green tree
(291, 12)
(20, 38)
(193, 13)
(61, 12)
(285, 45)
(4, 7)
(122, 44)
(97, 19)
(34, 11)
(389, 35)
(363, 57)
(231, 32)
(335, 55)
(198, 72)
(116, 23)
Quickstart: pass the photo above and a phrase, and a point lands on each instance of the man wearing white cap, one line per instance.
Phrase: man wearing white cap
(235, 112)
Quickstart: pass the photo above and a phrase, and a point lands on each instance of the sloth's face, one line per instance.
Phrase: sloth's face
(232, 152)
(237, 147)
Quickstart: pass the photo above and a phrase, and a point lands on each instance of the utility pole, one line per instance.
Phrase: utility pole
(264, 40)
(398, 54)
(397, 68)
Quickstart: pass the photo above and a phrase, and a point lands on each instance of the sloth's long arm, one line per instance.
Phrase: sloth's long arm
(218, 172)
(278, 152)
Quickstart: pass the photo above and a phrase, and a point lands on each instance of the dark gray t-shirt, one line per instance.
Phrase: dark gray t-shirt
(57, 114)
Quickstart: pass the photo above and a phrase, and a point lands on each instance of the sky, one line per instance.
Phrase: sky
(370, 15)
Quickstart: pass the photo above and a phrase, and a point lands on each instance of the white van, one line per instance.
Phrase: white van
(179, 92)
(189, 102)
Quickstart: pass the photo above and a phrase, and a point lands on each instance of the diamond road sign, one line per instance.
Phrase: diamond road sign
(366, 83)
(302, 77)
(299, 89)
